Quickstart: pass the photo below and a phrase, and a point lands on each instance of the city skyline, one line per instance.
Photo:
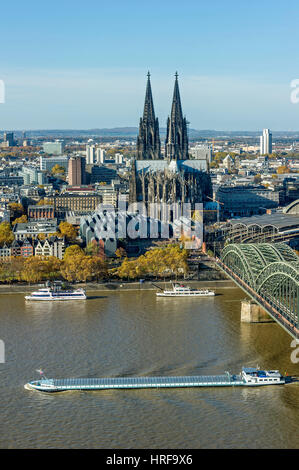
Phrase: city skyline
(88, 68)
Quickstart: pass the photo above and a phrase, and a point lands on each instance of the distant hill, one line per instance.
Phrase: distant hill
(131, 132)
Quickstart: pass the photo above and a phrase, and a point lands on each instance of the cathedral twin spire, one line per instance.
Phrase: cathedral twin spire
(148, 140)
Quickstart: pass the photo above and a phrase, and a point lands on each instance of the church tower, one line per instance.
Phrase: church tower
(148, 140)
(176, 144)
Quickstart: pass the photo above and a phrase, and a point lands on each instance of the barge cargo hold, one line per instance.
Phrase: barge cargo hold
(248, 377)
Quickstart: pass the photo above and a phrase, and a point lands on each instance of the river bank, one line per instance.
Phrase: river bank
(119, 286)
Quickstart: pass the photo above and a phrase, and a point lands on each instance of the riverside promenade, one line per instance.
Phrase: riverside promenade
(118, 286)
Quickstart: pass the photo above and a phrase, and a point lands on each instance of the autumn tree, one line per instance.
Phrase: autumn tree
(257, 178)
(52, 267)
(58, 170)
(72, 251)
(20, 220)
(33, 270)
(16, 210)
(94, 249)
(99, 268)
(69, 268)
(120, 252)
(44, 202)
(282, 169)
(68, 230)
(6, 234)
(11, 270)
(158, 262)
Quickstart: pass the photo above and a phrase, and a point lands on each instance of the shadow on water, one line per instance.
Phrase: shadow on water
(92, 297)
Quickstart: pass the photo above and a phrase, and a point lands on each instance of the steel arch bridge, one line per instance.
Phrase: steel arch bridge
(269, 273)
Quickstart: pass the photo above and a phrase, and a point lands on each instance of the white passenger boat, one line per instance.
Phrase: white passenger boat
(255, 376)
(179, 290)
(57, 292)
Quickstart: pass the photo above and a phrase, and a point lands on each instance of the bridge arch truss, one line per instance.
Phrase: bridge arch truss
(271, 271)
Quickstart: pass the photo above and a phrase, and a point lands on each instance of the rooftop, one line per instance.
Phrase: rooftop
(278, 220)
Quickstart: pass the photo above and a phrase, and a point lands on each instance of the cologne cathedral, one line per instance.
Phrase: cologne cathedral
(168, 176)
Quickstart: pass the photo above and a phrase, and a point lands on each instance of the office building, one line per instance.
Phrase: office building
(90, 154)
(76, 171)
(201, 152)
(266, 142)
(8, 139)
(44, 212)
(32, 175)
(244, 201)
(119, 158)
(64, 203)
(47, 163)
(100, 155)
(102, 174)
(31, 230)
(54, 148)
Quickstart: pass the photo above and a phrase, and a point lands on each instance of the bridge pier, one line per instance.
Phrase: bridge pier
(251, 312)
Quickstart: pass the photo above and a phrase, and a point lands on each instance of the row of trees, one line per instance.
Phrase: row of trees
(158, 262)
(75, 267)
(79, 265)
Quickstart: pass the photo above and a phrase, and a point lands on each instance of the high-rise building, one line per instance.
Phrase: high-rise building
(100, 155)
(119, 158)
(8, 139)
(76, 171)
(90, 154)
(266, 142)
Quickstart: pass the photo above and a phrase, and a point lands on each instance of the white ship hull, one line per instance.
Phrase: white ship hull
(49, 295)
(181, 294)
(56, 298)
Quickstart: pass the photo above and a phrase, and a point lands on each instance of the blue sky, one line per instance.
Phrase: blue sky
(81, 65)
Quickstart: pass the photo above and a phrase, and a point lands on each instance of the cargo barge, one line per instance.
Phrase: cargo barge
(249, 376)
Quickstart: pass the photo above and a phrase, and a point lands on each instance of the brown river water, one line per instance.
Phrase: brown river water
(134, 333)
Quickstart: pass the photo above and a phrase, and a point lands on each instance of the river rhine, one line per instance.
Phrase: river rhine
(134, 333)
